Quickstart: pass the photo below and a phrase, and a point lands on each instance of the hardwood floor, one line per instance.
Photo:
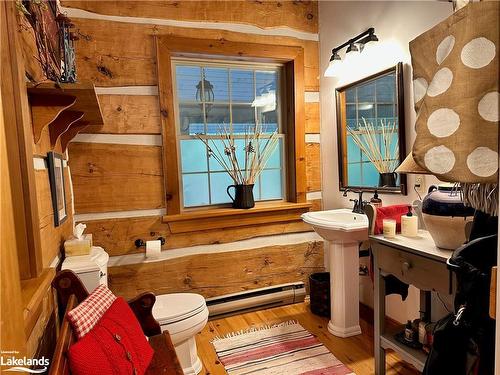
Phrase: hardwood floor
(356, 352)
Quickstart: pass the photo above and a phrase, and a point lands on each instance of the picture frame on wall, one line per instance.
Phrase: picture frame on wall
(55, 165)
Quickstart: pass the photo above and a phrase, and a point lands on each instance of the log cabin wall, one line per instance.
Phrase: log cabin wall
(117, 174)
(35, 330)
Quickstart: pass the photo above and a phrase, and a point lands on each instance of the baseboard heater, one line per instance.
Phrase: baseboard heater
(256, 299)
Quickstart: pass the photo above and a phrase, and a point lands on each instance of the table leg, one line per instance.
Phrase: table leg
(379, 318)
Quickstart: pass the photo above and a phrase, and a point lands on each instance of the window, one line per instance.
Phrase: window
(210, 95)
(375, 102)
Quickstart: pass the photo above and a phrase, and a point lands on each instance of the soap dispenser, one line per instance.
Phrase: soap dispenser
(409, 224)
(376, 201)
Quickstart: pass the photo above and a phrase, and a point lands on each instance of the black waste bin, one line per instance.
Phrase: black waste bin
(319, 287)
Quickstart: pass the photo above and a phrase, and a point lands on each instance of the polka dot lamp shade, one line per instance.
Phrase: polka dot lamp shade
(456, 94)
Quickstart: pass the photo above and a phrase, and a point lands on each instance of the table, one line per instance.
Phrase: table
(416, 261)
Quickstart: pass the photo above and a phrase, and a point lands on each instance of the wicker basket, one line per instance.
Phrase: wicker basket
(319, 286)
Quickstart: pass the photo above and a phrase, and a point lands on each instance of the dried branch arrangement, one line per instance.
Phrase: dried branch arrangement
(365, 138)
(258, 147)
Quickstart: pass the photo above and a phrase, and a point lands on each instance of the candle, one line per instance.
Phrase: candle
(409, 226)
(389, 226)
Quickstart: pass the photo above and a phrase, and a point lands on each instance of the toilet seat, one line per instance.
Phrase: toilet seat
(176, 307)
(183, 315)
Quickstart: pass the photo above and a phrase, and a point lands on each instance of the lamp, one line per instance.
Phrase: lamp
(352, 48)
(334, 61)
(205, 92)
(361, 39)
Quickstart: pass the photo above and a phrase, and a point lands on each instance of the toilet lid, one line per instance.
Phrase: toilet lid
(171, 308)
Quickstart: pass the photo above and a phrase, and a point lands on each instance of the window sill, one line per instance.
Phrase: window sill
(218, 218)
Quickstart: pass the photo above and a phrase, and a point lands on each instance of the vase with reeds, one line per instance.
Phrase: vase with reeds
(385, 157)
(258, 146)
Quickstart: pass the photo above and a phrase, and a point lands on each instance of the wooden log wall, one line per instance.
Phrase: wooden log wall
(38, 303)
(117, 168)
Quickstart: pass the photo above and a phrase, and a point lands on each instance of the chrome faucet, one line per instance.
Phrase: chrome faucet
(359, 204)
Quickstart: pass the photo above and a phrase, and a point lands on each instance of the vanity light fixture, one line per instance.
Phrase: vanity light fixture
(352, 46)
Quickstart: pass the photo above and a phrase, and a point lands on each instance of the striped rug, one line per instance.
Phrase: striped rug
(286, 348)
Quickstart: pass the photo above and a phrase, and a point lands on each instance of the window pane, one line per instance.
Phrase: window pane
(268, 120)
(354, 174)
(351, 111)
(216, 144)
(195, 189)
(242, 88)
(218, 79)
(370, 175)
(366, 93)
(366, 111)
(243, 118)
(350, 95)
(187, 77)
(385, 110)
(218, 187)
(274, 160)
(353, 151)
(193, 156)
(266, 100)
(256, 190)
(217, 117)
(386, 87)
(271, 184)
(191, 119)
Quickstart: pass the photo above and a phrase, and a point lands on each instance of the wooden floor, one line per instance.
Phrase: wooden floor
(355, 352)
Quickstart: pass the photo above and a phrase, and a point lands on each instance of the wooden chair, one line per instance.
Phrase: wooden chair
(71, 292)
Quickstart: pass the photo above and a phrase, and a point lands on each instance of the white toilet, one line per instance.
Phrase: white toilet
(183, 315)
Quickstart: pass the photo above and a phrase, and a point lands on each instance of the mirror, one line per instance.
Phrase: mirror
(370, 132)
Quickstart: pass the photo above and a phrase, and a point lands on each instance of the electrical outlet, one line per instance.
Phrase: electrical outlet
(419, 183)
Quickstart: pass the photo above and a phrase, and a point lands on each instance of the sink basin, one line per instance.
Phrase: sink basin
(338, 225)
(342, 230)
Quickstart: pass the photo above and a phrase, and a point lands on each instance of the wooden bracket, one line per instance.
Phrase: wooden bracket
(62, 124)
(46, 109)
(66, 108)
(73, 130)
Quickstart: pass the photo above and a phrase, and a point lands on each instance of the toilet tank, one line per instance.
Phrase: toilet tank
(92, 269)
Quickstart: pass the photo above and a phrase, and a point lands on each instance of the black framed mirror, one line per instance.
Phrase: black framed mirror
(371, 132)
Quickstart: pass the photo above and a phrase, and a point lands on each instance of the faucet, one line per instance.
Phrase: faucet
(359, 204)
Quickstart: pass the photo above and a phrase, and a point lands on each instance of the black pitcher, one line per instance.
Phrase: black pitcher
(243, 196)
(387, 179)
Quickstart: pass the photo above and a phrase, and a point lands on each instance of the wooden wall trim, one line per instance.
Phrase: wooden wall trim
(243, 245)
(119, 139)
(313, 138)
(239, 27)
(20, 144)
(119, 215)
(311, 96)
(313, 195)
(127, 90)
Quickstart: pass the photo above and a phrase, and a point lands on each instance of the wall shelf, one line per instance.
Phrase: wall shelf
(65, 108)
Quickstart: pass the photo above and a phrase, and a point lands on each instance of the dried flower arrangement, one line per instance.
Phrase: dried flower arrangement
(258, 147)
(365, 138)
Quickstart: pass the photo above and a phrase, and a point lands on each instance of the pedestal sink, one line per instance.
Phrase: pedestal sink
(342, 230)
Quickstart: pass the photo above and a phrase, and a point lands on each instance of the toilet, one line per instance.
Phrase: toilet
(183, 315)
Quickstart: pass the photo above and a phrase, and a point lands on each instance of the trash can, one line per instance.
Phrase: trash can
(319, 288)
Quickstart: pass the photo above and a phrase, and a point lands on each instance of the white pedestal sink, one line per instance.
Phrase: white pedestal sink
(342, 230)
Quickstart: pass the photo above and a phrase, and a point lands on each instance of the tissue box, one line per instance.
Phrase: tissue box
(77, 246)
